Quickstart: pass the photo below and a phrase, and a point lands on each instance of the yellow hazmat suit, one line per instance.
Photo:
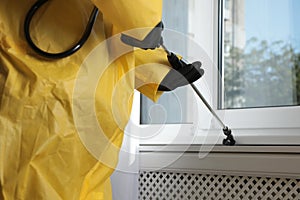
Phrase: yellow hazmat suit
(47, 149)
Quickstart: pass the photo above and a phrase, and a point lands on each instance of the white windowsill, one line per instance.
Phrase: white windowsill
(188, 134)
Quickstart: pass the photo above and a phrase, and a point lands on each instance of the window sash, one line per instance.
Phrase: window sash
(266, 125)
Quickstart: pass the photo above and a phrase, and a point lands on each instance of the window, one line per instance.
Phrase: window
(261, 53)
(175, 118)
(259, 67)
(169, 108)
(183, 36)
(252, 81)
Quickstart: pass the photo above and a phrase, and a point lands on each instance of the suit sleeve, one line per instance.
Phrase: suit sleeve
(137, 18)
(151, 67)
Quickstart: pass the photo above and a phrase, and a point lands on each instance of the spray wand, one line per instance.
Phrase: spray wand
(154, 40)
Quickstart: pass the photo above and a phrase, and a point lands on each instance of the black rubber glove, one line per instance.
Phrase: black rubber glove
(181, 74)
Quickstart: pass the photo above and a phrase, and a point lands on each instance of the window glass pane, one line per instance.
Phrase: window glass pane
(171, 106)
(261, 53)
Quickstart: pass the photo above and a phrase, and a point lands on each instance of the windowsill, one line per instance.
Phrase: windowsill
(187, 134)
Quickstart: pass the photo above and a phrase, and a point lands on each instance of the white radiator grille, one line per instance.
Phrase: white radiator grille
(182, 186)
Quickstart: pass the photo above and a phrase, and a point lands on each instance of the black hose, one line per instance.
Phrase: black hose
(66, 53)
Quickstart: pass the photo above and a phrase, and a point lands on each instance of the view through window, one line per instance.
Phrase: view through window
(261, 53)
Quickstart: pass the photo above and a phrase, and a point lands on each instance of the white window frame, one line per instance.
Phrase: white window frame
(268, 125)
(256, 126)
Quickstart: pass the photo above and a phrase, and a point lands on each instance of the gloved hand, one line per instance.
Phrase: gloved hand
(181, 74)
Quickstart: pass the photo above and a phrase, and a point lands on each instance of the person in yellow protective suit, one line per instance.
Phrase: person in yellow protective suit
(44, 152)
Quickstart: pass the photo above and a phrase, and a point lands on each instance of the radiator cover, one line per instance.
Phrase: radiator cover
(181, 186)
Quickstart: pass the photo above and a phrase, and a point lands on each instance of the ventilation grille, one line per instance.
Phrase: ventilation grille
(181, 186)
